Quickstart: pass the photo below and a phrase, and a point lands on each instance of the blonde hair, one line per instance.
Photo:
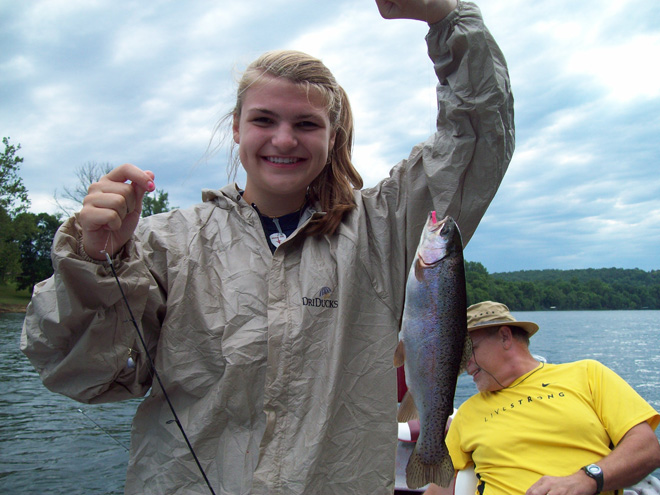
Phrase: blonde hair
(333, 187)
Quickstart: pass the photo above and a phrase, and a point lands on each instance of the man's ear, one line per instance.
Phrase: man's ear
(506, 336)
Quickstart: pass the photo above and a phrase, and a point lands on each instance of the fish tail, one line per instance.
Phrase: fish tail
(419, 474)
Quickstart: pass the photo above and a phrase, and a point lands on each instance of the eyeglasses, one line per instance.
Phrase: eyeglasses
(489, 335)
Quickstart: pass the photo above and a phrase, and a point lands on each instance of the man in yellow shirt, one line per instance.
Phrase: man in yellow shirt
(538, 428)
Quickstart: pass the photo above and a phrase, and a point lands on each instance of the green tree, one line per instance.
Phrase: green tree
(10, 263)
(13, 201)
(477, 282)
(13, 194)
(35, 234)
(581, 289)
(157, 202)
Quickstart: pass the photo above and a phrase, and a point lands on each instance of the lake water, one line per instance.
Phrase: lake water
(47, 446)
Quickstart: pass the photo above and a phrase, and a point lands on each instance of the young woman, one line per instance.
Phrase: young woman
(272, 310)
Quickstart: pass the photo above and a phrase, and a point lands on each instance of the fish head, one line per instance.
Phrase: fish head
(440, 238)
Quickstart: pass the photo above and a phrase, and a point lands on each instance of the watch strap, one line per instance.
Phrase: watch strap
(598, 476)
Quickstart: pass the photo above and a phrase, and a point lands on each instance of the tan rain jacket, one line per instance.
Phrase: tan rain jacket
(278, 365)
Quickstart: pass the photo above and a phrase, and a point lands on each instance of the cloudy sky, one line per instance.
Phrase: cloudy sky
(112, 81)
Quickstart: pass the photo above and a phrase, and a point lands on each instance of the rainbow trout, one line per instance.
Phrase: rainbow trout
(432, 347)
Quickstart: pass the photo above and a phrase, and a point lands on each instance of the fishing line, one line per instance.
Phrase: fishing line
(498, 382)
(103, 430)
(152, 367)
(484, 369)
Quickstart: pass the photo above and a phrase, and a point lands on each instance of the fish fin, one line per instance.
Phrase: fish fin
(419, 270)
(399, 354)
(407, 409)
(419, 474)
(467, 354)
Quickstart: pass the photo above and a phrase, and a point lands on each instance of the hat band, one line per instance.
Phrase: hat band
(492, 322)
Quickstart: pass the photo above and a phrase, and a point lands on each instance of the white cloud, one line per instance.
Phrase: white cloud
(626, 71)
(139, 43)
(18, 67)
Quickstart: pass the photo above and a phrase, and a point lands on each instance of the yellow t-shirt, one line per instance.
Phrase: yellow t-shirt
(551, 421)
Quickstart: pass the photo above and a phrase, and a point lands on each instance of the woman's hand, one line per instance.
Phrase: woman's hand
(430, 11)
(112, 208)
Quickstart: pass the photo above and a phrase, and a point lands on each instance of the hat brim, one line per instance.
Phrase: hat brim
(528, 326)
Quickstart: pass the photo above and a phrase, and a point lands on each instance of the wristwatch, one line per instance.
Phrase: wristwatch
(594, 471)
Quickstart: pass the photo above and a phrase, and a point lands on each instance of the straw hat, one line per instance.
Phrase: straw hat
(493, 314)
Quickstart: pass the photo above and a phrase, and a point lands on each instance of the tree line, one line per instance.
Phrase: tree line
(26, 237)
(586, 289)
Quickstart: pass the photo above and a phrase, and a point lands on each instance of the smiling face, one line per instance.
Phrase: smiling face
(284, 136)
(486, 359)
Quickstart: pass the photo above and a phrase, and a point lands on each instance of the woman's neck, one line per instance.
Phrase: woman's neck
(276, 207)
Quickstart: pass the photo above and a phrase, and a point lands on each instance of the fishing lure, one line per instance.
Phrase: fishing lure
(152, 367)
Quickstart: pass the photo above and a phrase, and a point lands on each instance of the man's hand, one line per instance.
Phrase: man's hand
(575, 484)
(430, 11)
(636, 455)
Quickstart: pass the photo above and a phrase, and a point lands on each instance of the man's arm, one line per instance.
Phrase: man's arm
(636, 455)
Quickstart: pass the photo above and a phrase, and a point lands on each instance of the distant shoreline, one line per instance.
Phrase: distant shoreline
(12, 308)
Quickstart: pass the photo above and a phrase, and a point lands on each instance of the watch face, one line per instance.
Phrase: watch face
(594, 469)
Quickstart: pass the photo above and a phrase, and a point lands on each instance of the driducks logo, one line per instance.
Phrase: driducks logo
(321, 300)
